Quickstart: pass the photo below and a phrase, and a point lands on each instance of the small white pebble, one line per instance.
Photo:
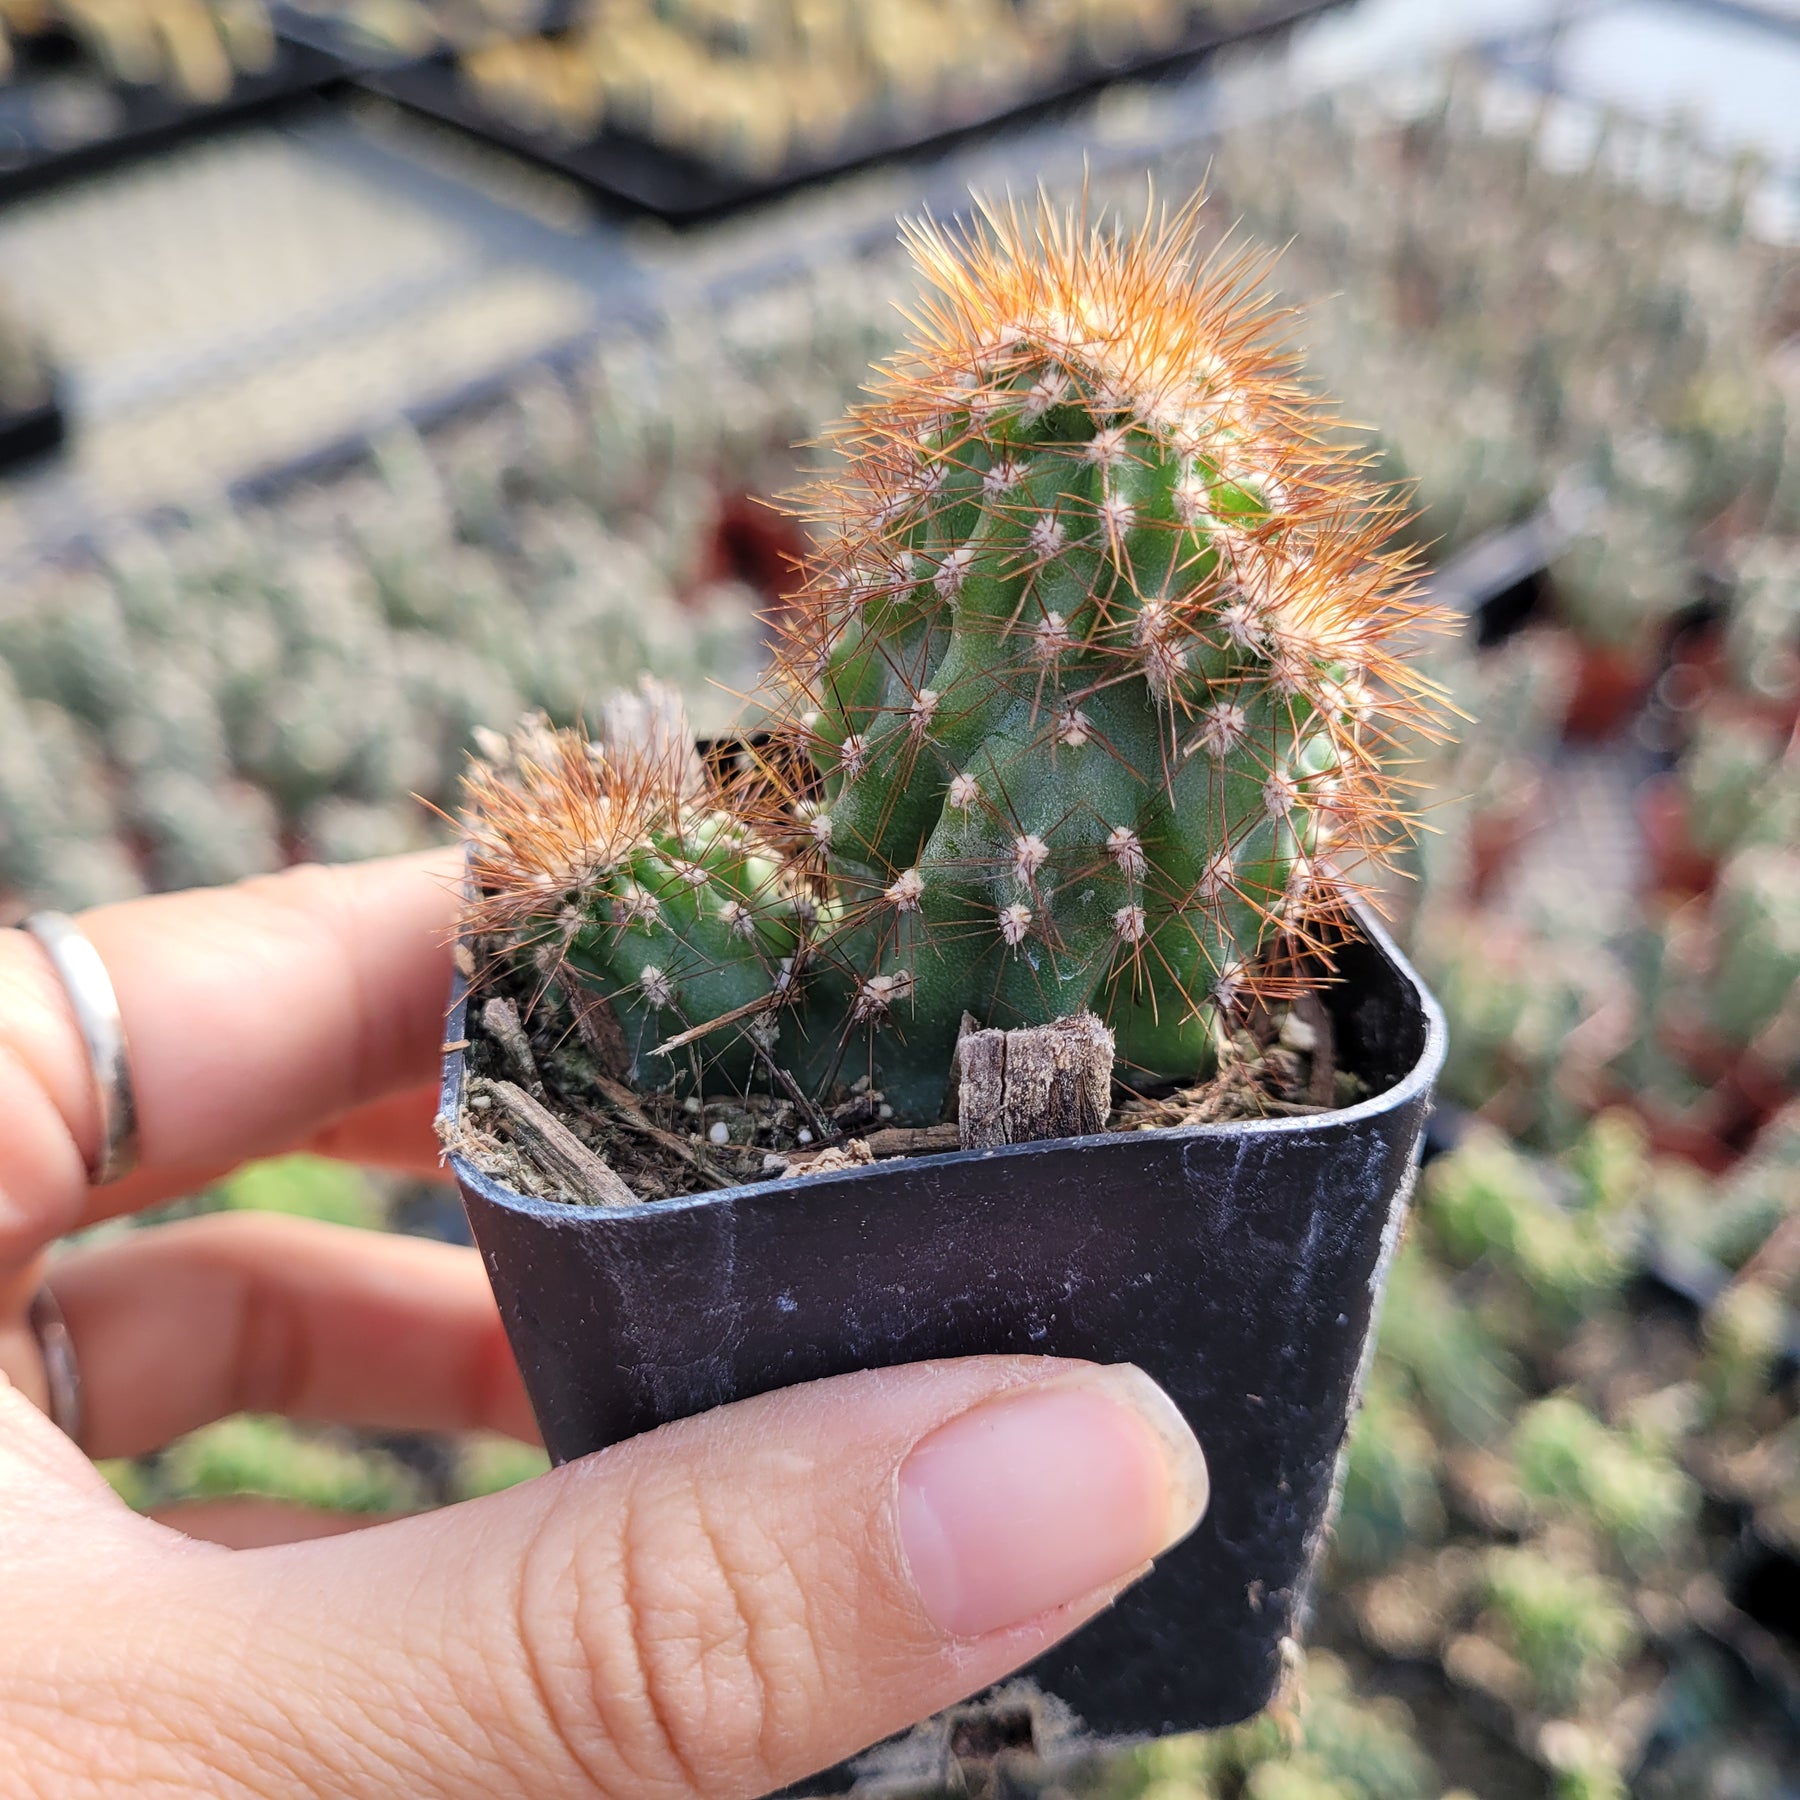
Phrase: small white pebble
(719, 1133)
(884, 1111)
(803, 1135)
(1296, 1034)
(691, 1103)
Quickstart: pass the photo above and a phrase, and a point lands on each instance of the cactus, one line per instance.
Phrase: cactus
(1757, 937)
(1444, 1352)
(1488, 1200)
(1390, 1500)
(1633, 1493)
(1096, 658)
(1571, 1631)
(1757, 1195)
(622, 859)
(1094, 666)
(1726, 775)
(1762, 630)
(1623, 577)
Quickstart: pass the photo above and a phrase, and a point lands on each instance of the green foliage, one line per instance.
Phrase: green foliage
(1596, 1777)
(1749, 1202)
(1349, 1747)
(1744, 1332)
(1757, 922)
(1443, 1351)
(1623, 577)
(306, 1187)
(1570, 1630)
(488, 1464)
(129, 1481)
(1390, 1499)
(1610, 1165)
(1486, 1200)
(1630, 1490)
(271, 1459)
(1726, 772)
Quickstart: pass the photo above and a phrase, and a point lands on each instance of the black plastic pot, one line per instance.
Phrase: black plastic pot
(34, 432)
(1239, 1265)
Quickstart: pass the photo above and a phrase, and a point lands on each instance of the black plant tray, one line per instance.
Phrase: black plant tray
(60, 116)
(33, 432)
(336, 38)
(680, 187)
(1239, 1265)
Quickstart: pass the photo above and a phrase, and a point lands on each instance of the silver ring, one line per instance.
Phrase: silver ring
(96, 1007)
(62, 1374)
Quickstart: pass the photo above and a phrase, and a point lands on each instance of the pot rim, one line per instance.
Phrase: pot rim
(1421, 1075)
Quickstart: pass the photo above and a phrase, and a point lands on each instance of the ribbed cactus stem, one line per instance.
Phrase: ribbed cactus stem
(623, 858)
(1092, 671)
(1086, 664)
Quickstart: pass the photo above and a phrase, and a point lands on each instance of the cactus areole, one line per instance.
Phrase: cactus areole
(1089, 679)
(1076, 730)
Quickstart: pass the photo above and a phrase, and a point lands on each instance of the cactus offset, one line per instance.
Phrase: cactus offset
(1097, 655)
(622, 860)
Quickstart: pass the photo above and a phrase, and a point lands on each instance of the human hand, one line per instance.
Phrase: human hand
(717, 1608)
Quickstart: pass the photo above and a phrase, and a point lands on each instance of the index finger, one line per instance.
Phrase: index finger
(256, 1015)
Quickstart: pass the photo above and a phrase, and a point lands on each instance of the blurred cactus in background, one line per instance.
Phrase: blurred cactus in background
(281, 680)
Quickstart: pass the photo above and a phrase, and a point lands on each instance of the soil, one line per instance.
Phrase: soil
(544, 1102)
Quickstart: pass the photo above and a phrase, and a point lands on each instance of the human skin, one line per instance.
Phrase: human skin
(717, 1608)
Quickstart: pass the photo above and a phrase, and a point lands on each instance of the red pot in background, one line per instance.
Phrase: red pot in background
(1676, 865)
(1495, 834)
(1610, 686)
(758, 544)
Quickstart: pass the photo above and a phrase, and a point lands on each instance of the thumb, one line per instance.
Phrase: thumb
(719, 1608)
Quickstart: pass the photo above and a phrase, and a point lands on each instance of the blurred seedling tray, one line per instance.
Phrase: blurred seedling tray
(680, 187)
(1675, 1274)
(332, 28)
(32, 432)
(61, 114)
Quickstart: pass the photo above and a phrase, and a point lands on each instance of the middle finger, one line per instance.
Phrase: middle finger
(181, 1324)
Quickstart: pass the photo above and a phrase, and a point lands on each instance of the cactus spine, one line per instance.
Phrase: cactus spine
(1092, 671)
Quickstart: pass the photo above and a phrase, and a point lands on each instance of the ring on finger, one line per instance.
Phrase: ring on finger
(95, 1005)
(62, 1373)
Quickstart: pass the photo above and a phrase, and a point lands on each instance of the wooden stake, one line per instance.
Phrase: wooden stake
(1026, 1086)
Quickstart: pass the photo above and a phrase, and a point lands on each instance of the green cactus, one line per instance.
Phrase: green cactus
(1762, 630)
(1623, 576)
(623, 859)
(1390, 1494)
(1444, 1352)
(1488, 1200)
(1756, 963)
(1744, 1333)
(1728, 767)
(1093, 667)
(249, 1454)
(1086, 662)
(1749, 1202)
(1633, 1493)
(1570, 1630)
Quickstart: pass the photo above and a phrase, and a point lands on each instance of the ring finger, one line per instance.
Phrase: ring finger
(190, 1322)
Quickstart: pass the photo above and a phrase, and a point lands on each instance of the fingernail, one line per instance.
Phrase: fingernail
(1044, 1496)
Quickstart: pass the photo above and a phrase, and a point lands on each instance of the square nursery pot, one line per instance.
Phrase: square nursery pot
(1240, 1265)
